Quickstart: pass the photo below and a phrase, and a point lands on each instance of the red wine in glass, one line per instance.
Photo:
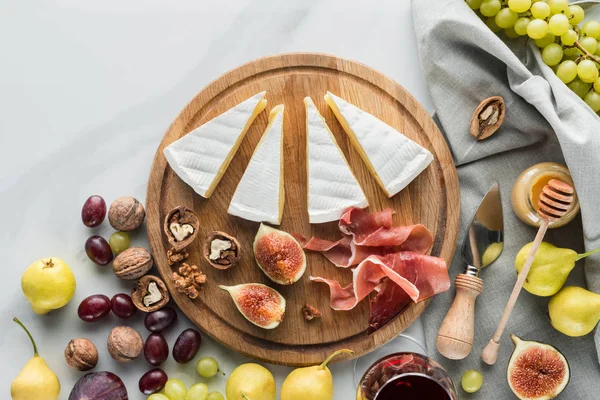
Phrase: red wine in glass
(412, 387)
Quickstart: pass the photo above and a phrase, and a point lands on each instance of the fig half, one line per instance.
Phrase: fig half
(258, 303)
(536, 371)
(279, 255)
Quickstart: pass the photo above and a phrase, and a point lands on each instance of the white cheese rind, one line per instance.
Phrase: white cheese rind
(332, 187)
(201, 157)
(394, 159)
(259, 195)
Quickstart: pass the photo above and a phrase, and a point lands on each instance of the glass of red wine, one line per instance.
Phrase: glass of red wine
(406, 376)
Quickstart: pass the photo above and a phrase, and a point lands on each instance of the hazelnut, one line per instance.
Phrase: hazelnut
(132, 263)
(221, 250)
(149, 293)
(81, 354)
(126, 214)
(181, 227)
(124, 343)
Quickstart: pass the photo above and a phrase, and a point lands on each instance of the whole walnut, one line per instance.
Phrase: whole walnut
(126, 214)
(132, 263)
(124, 343)
(81, 354)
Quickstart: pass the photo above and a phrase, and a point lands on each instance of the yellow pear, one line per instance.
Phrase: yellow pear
(36, 381)
(574, 311)
(48, 284)
(314, 383)
(251, 382)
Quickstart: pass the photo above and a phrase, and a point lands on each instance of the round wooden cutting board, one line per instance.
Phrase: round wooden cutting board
(431, 199)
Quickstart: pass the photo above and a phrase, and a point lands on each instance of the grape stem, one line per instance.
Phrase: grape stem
(586, 53)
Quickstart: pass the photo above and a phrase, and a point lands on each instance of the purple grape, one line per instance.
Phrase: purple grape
(186, 346)
(93, 211)
(159, 320)
(94, 307)
(156, 349)
(153, 381)
(122, 305)
(98, 250)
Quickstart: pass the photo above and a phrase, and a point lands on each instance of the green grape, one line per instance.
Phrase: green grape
(597, 85)
(175, 389)
(580, 88)
(567, 71)
(572, 52)
(569, 38)
(552, 54)
(545, 41)
(558, 24)
(472, 381)
(207, 367)
(215, 396)
(587, 71)
(540, 10)
(537, 29)
(506, 18)
(575, 14)
(519, 6)
(589, 43)
(491, 23)
(119, 241)
(591, 28)
(489, 8)
(158, 396)
(592, 99)
(511, 33)
(521, 26)
(558, 6)
(474, 4)
(199, 391)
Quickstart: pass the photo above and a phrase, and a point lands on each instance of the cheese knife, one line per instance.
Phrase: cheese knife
(481, 247)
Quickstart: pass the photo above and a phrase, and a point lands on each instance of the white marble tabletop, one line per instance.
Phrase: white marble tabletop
(87, 90)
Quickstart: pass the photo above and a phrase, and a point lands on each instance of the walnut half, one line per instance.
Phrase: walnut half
(221, 250)
(149, 293)
(181, 227)
(487, 118)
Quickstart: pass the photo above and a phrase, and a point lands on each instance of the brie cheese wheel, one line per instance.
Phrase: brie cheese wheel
(393, 159)
(259, 195)
(332, 187)
(201, 157)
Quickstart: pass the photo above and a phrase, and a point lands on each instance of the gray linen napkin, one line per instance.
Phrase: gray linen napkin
(464, 63)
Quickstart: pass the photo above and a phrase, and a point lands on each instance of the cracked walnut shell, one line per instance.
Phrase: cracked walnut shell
(149, 293)
(126, 214)
(181, 227)
(221, 250)
(487, 117)
(132, 263)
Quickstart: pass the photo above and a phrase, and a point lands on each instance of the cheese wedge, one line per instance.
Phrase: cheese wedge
(260, 195)
(202, 156)
(393, 159)
(332, 187)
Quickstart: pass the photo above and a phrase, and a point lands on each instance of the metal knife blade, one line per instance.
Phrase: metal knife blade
(484, 241)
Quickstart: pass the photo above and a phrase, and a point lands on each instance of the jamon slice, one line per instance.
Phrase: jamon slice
(419, 276)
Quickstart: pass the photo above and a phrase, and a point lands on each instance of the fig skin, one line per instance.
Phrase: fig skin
(279, 255)
(99, 386)
(529, 356)
(259, 304)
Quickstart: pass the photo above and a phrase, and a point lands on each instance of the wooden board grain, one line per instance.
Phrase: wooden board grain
(432, 199)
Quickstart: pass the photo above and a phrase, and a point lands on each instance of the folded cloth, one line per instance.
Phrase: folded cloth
(464, 63)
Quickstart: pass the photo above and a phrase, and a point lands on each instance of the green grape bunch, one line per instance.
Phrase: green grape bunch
(572, 51)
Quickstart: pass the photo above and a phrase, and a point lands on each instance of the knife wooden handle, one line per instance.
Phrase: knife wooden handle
(455, 337)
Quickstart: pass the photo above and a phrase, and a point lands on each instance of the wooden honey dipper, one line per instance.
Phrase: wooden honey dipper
(554, 202)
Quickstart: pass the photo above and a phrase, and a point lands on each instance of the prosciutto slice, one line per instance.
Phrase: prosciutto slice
(369, 234)
(419, 276)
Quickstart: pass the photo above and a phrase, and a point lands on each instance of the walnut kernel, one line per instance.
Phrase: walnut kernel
(309, 312)
(174, 256)
(221, 250)
(149, 293)
(189, 280)
(181, 227)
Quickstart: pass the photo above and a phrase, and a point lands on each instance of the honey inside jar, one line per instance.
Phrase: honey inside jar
(528, 188)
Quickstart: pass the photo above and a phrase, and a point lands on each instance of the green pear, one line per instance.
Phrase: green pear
(574, 311)
(550, 269)
(314, 383)
(36, 381)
